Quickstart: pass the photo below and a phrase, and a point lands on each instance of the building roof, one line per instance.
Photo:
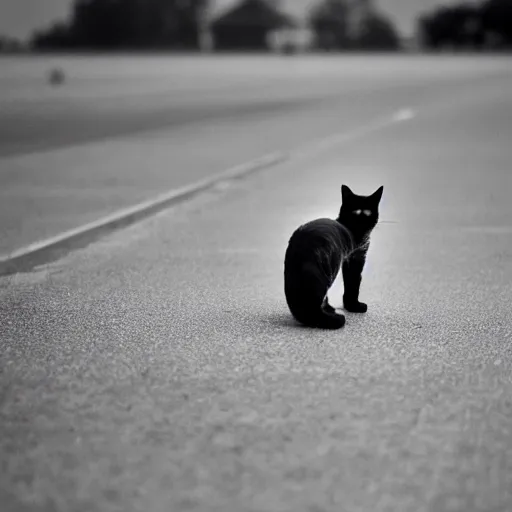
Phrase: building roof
(255, 13)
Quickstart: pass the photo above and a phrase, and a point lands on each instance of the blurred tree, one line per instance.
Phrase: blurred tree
(378, 33)
(457, 26)
(102, 24)
(497, 20)
(127, 24)
(329, 23)
(56, 36)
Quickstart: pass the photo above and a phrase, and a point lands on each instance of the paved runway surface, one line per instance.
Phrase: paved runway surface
(159, 369)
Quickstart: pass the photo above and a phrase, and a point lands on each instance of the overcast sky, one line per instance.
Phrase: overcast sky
(19, 18)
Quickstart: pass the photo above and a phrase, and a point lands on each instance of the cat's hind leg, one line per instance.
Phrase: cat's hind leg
(327, 307)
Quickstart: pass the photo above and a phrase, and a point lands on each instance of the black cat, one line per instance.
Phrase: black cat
(318, 249)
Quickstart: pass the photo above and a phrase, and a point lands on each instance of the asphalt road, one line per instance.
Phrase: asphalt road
(112, 97)
(159, 369)
(122, 130)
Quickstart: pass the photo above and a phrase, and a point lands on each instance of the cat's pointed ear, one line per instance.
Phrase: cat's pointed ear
(346, 193)
(377, 195)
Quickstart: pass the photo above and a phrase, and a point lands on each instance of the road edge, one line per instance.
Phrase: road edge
(40, 252)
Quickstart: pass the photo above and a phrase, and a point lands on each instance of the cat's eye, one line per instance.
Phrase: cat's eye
(357, 212)
(367, 212)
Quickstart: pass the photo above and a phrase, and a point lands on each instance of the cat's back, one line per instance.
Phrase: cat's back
(317, 235)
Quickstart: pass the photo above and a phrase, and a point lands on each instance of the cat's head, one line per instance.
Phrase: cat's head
(359, 213)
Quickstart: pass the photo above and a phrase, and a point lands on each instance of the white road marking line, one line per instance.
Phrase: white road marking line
(404, 114)
(344, 137)
(144, 209)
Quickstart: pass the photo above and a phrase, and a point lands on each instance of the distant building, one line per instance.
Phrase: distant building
(252, 25)
(327, 25)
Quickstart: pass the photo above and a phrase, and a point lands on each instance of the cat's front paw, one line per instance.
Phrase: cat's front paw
(355, 307)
